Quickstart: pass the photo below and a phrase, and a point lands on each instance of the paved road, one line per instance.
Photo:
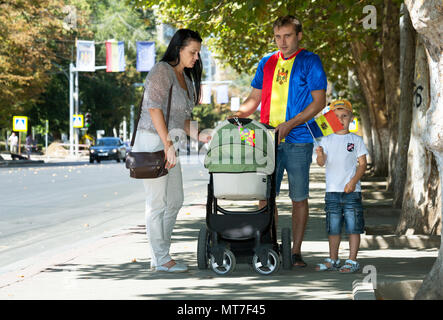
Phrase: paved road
(43, 209)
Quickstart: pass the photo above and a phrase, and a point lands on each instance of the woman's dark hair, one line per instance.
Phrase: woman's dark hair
(172, 56)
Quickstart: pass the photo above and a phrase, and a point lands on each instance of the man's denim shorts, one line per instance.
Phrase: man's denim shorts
(296, 158)
(344, 208)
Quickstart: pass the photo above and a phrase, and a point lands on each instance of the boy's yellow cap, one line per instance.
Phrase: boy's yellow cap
(337, 104)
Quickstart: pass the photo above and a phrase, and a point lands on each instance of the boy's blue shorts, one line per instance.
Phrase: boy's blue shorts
(344, 208)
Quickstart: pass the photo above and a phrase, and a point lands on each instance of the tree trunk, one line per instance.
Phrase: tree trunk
(432, 287)
(357, 95)
(427, 19)
(370, 74)
(421, 202)
(367, 132)
(407, 68)
(391, 71)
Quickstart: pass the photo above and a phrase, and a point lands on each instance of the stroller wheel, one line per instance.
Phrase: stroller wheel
(272, 265)
(228, 264)
(202, 248)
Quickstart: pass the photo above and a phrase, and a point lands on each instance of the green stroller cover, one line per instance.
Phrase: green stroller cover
(245, 148)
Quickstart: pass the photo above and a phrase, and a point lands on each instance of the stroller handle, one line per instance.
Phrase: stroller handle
(244, 121)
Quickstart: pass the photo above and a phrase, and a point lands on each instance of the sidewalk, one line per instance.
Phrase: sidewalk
(115, 266)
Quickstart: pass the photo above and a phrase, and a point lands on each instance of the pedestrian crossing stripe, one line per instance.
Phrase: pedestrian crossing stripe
(77, 121)
(20, 124)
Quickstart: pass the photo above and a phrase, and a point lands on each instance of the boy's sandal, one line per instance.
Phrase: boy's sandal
(328, 265)
(297, 261)
(350, 266)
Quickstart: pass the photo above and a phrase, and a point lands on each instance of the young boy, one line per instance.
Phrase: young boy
(341, 152)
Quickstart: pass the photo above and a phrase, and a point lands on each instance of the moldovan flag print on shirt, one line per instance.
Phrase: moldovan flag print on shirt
(325, 124)
(115, 56)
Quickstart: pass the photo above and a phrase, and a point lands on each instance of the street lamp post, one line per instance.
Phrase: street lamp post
(71, 108)
(73, 100)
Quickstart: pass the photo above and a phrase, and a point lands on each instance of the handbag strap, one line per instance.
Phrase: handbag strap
(140, 112)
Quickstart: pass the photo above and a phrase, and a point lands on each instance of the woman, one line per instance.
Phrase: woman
(180, 68)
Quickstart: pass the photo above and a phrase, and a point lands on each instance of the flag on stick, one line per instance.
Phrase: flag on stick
(115, 56)
(325, 124)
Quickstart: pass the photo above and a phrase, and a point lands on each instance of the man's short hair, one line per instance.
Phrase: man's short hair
(288, 20)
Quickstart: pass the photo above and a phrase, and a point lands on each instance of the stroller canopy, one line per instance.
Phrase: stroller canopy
(246, 146)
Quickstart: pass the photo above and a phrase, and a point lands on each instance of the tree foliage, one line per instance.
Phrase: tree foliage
(38, 43)
(52, 103)
(108, 96)
(347, 35)
(240, 32)
(29, 31)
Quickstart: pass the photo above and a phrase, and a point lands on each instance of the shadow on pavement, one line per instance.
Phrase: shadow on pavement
(299, 283)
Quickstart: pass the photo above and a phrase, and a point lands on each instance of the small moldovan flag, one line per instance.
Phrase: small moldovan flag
(328, 122)
(115, 56)
(325, 124)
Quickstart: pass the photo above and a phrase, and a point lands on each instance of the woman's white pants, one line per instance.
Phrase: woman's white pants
(164, 198)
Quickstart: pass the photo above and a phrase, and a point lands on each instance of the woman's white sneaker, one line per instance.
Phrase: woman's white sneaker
(177, 267)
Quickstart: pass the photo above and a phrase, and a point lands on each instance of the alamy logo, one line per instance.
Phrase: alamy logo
(370, 21)
(371, 278)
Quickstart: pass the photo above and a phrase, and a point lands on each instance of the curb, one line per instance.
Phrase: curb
(20, 163)
(405, 242)
(362, 290)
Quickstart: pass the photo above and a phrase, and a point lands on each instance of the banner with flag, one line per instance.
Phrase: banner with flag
(115, 56)
(325, 125)
(145, 55)
(222, 94)
(85, 56)
(206, 94)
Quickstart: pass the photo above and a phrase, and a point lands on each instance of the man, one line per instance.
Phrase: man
(13, 143)
(291, 86)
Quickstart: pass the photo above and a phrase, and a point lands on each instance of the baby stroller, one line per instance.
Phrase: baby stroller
(241, 164)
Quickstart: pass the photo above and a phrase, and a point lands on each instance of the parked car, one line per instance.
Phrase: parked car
(107, 148)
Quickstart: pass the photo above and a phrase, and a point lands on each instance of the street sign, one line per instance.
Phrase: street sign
(77, 120)
(20, 124)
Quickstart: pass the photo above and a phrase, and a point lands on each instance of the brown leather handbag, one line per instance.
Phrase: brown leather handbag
(147, 165)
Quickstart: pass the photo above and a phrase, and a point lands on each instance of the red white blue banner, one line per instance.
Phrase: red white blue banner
(115, 56)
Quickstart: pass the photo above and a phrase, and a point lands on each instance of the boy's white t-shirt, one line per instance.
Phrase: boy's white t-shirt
(342, 153)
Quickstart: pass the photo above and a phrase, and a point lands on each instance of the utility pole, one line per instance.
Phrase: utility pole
(71, 108)
(73, 103)
(131, 122)
(46, 137)
(76, 98)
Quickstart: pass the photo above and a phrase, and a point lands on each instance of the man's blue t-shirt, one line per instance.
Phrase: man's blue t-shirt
(306, 75)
